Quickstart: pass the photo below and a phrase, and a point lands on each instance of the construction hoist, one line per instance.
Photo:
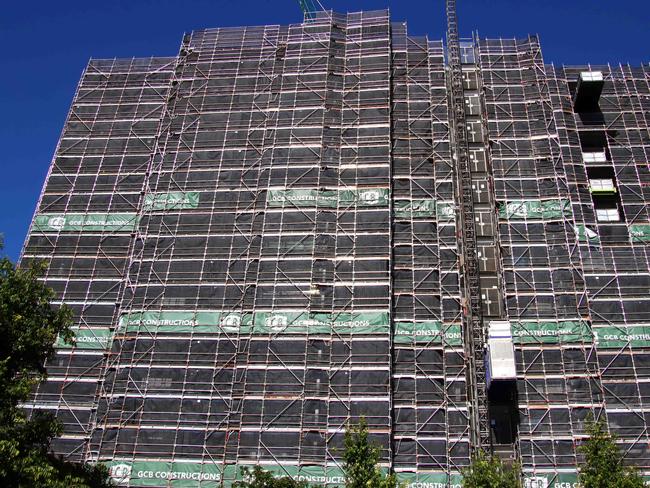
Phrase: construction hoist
(473, 331)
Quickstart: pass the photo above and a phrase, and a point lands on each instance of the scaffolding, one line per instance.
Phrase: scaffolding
(277, 231)
(575, 285)
(431, 415)
(84, 223)
(263, 272)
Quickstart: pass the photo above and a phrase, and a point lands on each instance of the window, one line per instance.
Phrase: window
(607, 215)
(594, 156)
(604, 185)
(591, 76)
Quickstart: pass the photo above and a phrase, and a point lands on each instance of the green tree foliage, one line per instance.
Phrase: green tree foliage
(361, 466)
(490, 472)
(603, 467)
(258, 478)
(361, 460)
(29, 326)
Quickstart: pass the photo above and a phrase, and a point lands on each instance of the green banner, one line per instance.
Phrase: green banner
(551, 332)
(178, 474)
(302, 198)
(203, 475)
(535, 209)
(445, 211)
(430, 480)
(640, 232)
(85, 338)
(551, 480)
(206, 322)
(116, 222)
(427, 332)
(314, 475)
(171, 201)
(175, 474)
(369, 197)
(617, 337)
(585, 234)
(209, 322)
(320, 323)
(414, 208)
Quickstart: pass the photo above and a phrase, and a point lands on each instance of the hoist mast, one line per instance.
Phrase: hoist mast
(473, 328)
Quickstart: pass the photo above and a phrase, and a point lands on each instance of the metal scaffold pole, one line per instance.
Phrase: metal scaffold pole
(473, 331)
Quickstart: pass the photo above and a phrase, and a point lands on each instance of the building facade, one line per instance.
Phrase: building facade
(259, 238)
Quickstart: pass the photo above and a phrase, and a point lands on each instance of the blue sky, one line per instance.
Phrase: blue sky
(47, 44)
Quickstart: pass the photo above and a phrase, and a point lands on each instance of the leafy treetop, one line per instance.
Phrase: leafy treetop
(361, 460)
(490, 472)
(603, 465)
(29, 326)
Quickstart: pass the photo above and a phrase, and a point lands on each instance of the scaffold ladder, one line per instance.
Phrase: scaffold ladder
(473, 332)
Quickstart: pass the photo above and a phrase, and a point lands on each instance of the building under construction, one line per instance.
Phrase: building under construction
(285, 228)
